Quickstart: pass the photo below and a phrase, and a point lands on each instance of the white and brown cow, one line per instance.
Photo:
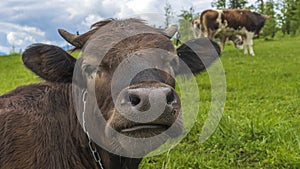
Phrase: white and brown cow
(230, 22)
(236, 39)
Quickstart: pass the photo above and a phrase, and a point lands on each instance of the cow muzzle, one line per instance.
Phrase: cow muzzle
(144, 99)
(143, 112)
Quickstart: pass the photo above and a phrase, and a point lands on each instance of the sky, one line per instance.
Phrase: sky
(36, 21)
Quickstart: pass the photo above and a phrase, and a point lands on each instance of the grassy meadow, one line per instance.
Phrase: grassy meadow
(260, 127)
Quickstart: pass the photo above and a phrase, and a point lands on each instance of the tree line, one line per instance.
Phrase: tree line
(284, 15)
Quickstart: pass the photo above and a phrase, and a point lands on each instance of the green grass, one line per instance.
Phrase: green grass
(260, 127)
(13, 73)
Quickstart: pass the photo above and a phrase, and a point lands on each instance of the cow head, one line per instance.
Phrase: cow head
(196, 22)
(196, 25)
(127, 70)
(237, 41)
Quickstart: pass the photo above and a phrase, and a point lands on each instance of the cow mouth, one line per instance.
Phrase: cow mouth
(144, 127)
(143, 130)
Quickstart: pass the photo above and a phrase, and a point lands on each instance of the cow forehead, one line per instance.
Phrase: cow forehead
(114, 41)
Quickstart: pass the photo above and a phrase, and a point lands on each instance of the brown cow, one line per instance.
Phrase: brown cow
(54, 124)
(233, 22)
(236, 39)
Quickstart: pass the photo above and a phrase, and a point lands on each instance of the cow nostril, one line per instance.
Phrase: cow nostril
(170, 97)
(134, 100)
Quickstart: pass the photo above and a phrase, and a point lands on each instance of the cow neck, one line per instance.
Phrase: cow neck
(92, 146)
(112, 161)
(104, 159)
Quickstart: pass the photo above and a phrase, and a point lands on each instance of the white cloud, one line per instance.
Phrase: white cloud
(7, 27)
(91, 19)
(20, 38)
(145, 6)
(26, 22)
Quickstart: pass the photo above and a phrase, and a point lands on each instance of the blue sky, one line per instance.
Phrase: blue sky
(25, 22)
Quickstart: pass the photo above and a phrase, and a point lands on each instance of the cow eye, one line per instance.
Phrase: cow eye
(89, 69)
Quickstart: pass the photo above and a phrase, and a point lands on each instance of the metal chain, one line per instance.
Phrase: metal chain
(91, 143)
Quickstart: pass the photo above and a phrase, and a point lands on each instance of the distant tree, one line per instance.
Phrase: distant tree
(168, 14)
(290, 16)
(219, 4)
(280, 15)
(270, 28)
(295, 17)
(13, 50)
(261, 6)
(187, 14)
(237, 4)
(185, 26)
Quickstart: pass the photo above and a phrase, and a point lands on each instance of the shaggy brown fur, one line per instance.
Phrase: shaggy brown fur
(35, 134)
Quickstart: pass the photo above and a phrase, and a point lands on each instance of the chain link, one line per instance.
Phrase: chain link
(91, 143)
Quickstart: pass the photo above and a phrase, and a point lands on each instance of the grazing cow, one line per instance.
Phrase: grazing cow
(56, 123)
(236, 39)
(233, 22)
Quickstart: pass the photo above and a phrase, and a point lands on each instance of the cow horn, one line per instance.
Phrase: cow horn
(69, 37)
(76, 40)
(170, 31)
(79, 40)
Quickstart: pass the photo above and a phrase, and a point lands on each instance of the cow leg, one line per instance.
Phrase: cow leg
(245, 44)
(251, 47)
(208, 34)
(197, 32)
(223, 41)
(249, 42)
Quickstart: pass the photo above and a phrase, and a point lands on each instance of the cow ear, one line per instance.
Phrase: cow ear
(49, 62)
(196, 55)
